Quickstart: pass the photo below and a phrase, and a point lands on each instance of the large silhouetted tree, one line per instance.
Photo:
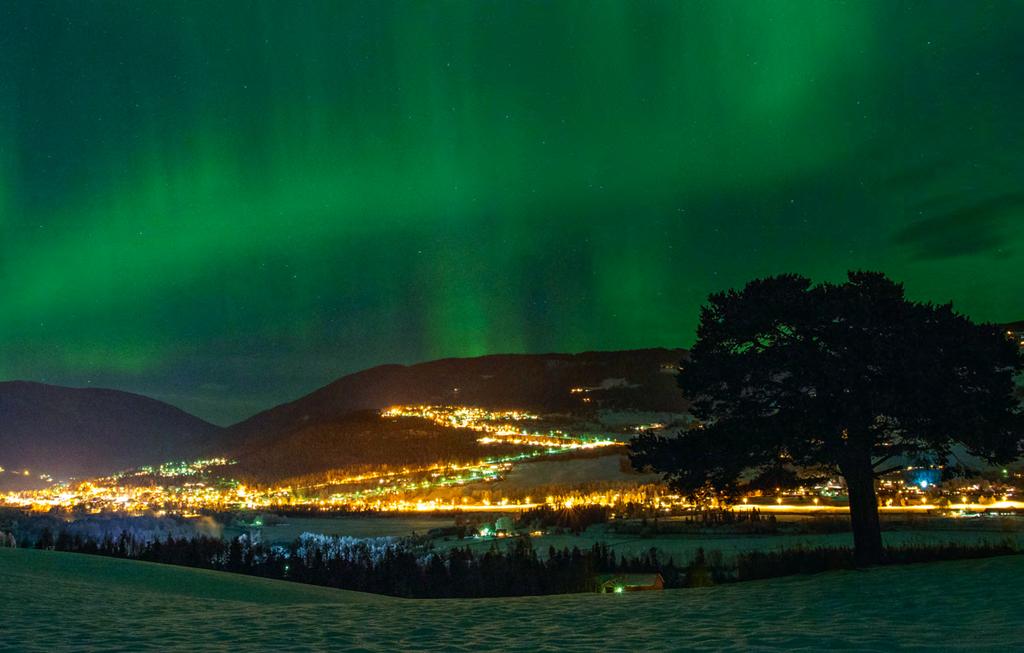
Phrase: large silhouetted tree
(848, 377)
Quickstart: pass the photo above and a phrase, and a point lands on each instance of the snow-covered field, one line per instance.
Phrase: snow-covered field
(682, 548)
(573, 472)
(67, 602)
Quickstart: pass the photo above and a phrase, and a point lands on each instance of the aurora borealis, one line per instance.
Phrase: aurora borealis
(225, 205)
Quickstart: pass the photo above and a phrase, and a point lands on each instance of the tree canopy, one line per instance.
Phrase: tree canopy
(850, 377)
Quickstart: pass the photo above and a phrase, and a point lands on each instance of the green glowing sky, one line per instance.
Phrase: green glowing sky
(225, 205)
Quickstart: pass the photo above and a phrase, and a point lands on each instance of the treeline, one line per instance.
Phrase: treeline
(462, 573)
(576, 519)
(389, 566)
(27, 528)
(696, 521)
(382, 565)
(756, 565)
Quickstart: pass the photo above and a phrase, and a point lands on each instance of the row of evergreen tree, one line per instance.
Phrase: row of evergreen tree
(395, 570)
(387, 566)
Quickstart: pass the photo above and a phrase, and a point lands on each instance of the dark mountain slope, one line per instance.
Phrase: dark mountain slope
(641, 380)
(88, 431)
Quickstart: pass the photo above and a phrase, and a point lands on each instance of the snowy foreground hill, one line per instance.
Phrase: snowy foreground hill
(67, 602)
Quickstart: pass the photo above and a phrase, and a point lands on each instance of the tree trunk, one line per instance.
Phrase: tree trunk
(867, 532)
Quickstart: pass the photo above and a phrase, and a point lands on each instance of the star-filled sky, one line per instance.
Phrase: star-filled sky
(225, 205)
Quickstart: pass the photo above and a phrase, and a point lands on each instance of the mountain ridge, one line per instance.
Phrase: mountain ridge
(66, 431)
(488, 381)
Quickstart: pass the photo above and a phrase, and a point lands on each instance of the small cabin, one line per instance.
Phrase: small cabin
(504, 525)
(618, 583)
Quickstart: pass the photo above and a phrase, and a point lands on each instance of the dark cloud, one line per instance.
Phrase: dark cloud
(974, 229)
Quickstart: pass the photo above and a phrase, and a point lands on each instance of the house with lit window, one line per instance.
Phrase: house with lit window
(1015, 332)
(618, 583)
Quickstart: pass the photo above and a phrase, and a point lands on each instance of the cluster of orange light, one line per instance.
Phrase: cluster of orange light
(500, 426)
(462, 417)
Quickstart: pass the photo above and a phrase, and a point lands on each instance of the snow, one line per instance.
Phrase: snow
(572, 472)
(682, 548)
(290, 528)
(344, 547)
(58, 601)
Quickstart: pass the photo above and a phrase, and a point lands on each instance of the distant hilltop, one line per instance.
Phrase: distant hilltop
(49, 429)
(578, 384)
(331, 427)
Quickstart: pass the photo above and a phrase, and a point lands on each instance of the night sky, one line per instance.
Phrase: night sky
(225, 205)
